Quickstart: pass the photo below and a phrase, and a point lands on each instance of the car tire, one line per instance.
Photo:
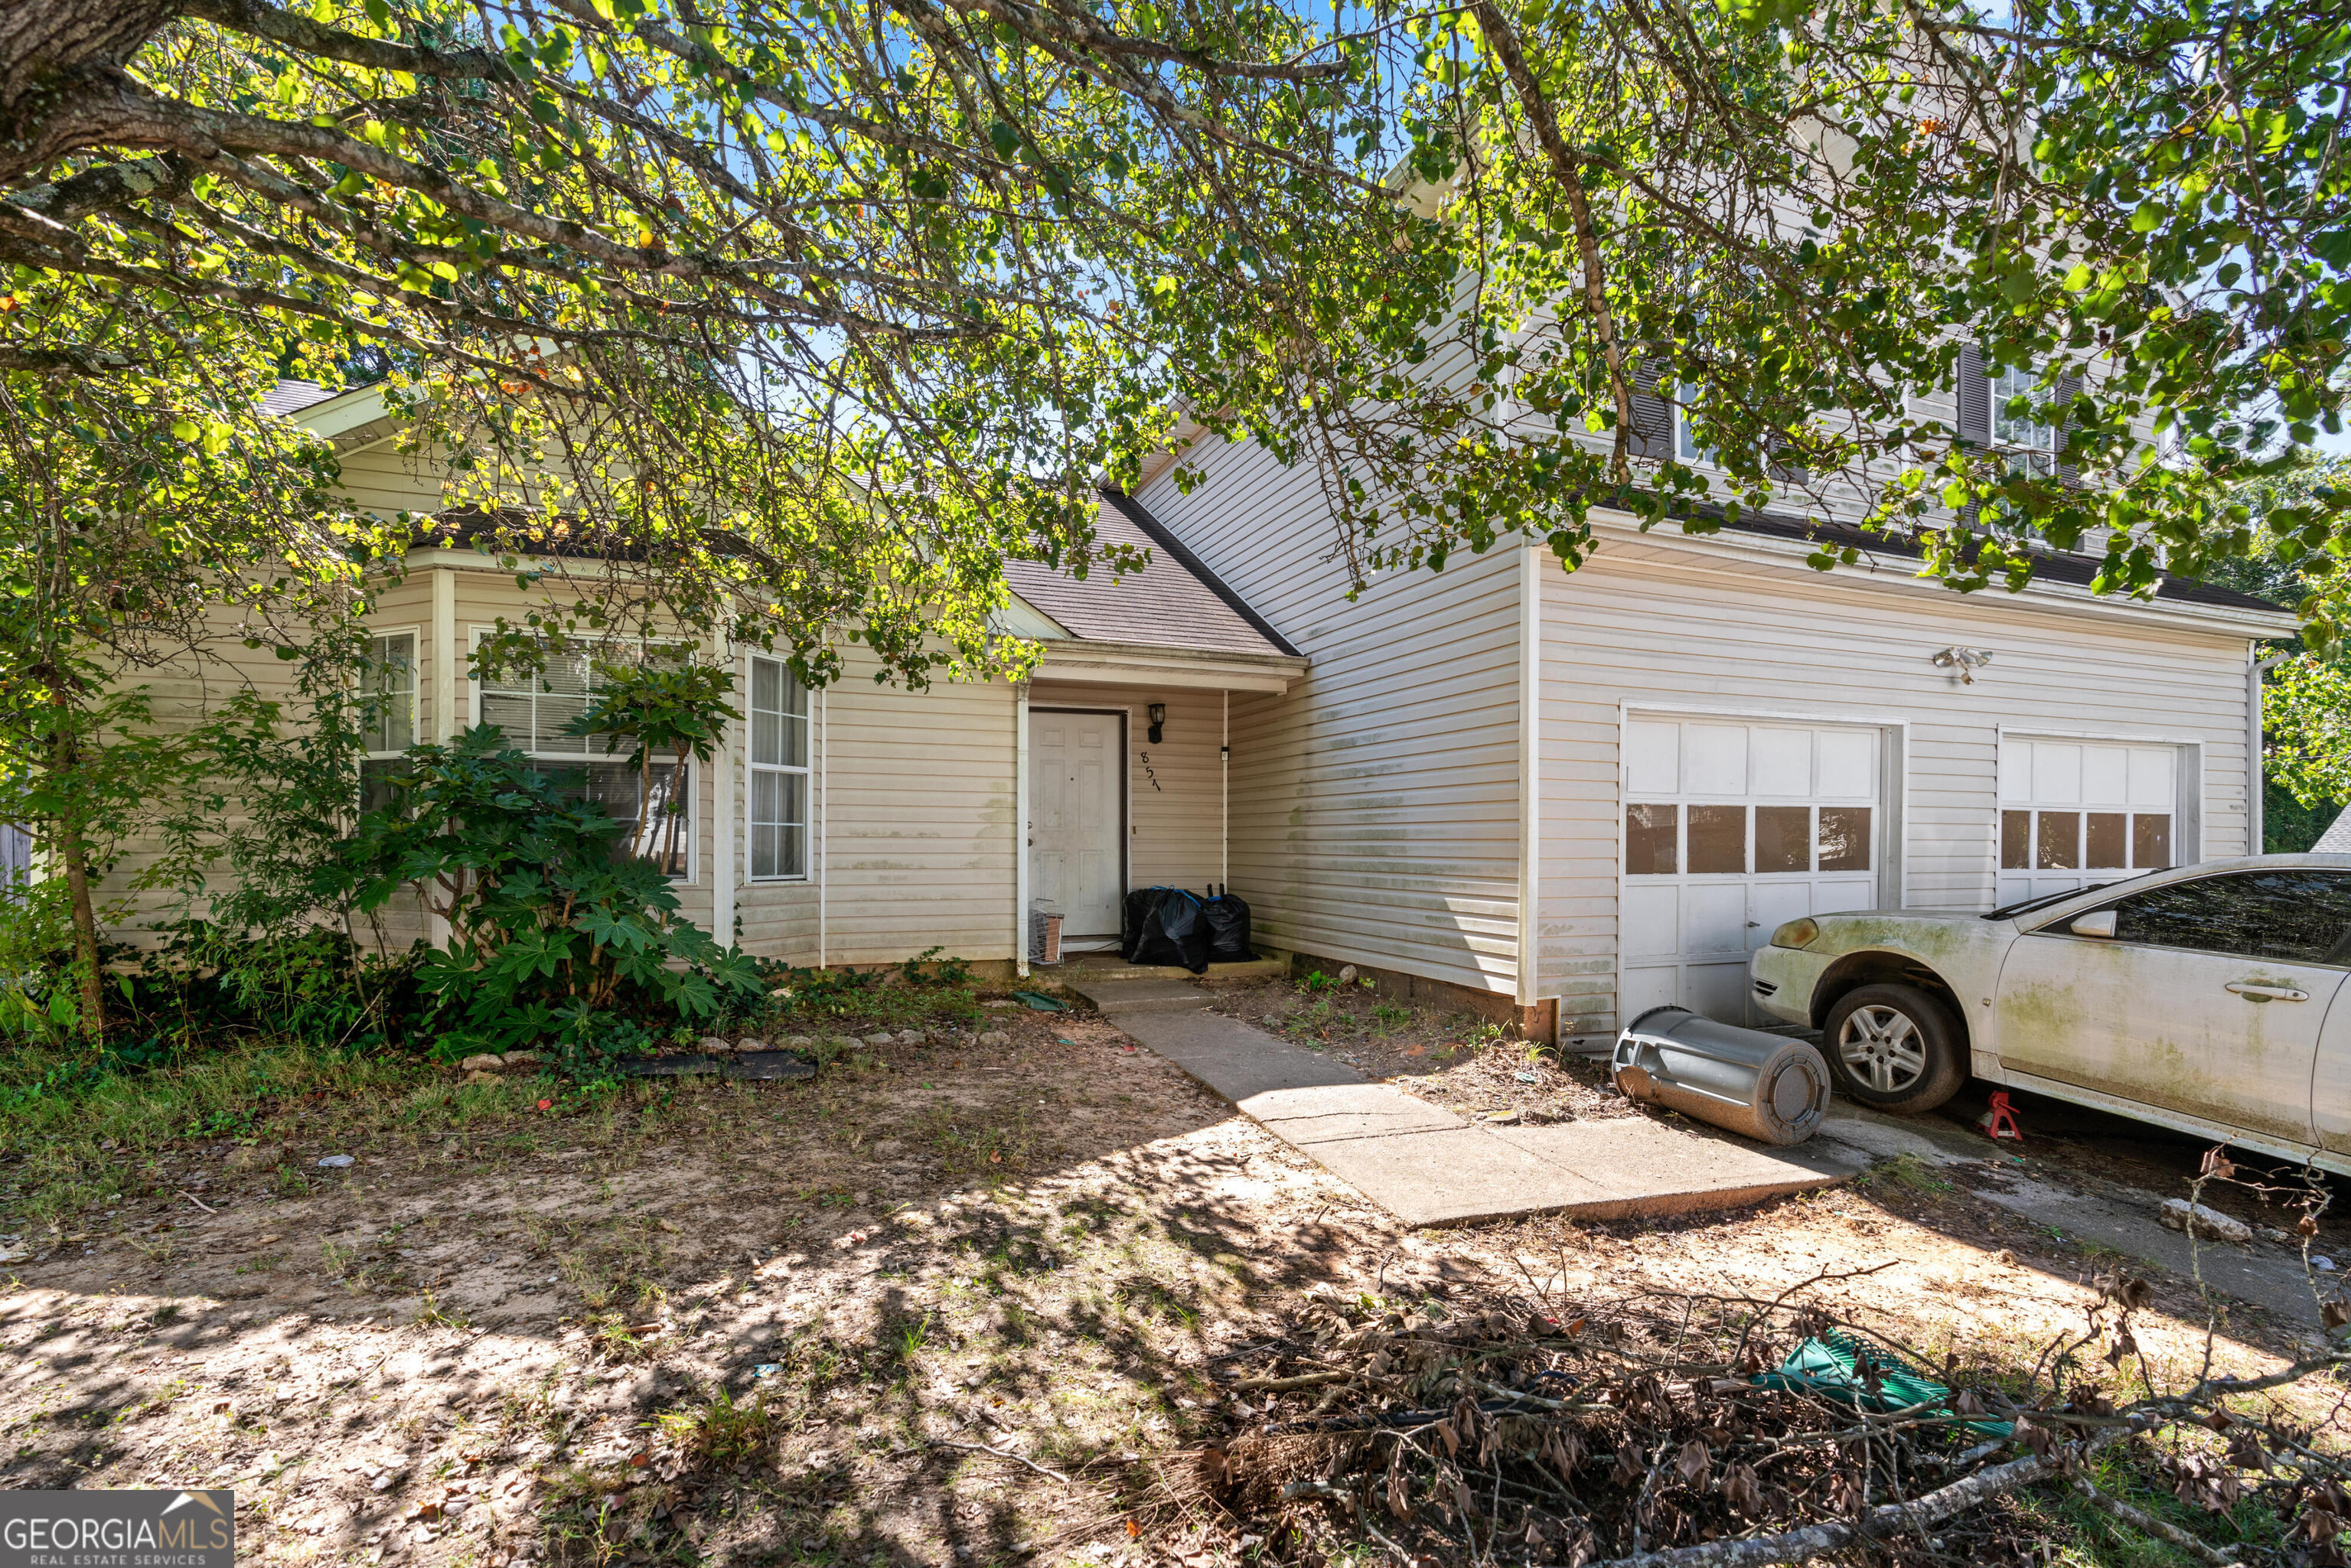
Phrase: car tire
(1893, 1048)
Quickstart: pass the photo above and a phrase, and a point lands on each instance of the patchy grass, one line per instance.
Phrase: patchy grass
(273, 1109)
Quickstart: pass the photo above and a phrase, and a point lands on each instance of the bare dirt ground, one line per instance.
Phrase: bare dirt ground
(956, 1304)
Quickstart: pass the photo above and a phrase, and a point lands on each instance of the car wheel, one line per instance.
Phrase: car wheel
(1896, 1048)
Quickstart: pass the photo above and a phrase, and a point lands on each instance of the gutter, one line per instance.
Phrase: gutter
(2256, 784)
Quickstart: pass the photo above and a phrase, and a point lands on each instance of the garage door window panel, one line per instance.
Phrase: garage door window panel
(1718, 841)
(2058, 844)
(1845, 837)
(1783, 839)
(1652, 840)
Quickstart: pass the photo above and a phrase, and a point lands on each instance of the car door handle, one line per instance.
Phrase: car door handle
(2261, 991)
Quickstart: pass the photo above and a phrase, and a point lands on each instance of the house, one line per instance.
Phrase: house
(1556, 797)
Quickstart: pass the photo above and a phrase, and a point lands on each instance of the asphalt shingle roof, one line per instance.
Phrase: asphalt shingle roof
(1173, 602)
(293, 397)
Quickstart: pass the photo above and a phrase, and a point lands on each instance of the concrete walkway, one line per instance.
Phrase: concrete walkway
(1427, 1167)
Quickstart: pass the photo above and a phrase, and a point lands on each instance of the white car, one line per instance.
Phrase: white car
(2208, 998)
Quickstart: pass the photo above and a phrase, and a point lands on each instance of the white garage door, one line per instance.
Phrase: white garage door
(2076, 812)
(1731, 829)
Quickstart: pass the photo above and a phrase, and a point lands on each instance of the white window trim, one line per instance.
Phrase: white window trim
(690, 876)
(1697, 456)
(752, 769)
(415, 685)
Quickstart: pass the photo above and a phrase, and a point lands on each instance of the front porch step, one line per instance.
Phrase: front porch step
(1098, 967)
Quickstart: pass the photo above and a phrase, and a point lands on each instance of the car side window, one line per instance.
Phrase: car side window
(2298, 916)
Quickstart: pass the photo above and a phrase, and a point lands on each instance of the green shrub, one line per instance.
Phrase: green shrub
(550, 929)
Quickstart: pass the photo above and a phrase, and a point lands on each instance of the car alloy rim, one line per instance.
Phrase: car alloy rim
(1882, 1046)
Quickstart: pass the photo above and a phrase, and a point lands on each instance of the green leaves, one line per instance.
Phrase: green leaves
(547, 923)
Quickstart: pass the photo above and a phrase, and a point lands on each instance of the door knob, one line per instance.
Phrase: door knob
(2261, 991)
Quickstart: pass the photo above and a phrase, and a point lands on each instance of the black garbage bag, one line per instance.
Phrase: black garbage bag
(1135, 917)
(1172, 930)
(1228, 928)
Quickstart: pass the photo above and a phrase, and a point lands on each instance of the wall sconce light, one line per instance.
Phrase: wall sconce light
(1158, 717)
(1963, 662)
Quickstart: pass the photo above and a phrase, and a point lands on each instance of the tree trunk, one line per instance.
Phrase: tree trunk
(641, 841)
(73, 853)
(677, 788)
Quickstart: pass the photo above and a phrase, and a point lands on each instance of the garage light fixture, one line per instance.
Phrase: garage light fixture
(1158, 717)
(1963, 662)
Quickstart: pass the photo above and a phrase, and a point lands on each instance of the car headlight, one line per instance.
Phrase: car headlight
(1799, 933)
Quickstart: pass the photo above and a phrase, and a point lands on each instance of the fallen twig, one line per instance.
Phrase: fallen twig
(199, 1202)
(2140, 1520)
(1001, 1454)
(1284, 1384)
(1834, 1535)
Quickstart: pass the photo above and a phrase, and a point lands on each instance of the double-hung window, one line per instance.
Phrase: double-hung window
(387, 714)
(779, 765)
(2031, 446)
(532, 708)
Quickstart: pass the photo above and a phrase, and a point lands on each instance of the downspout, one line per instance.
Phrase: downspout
(824, 813)
(1530, 772)
(2255, 785)
(1020, 829)
(1225, 797)
(444, 697)
(723, 797)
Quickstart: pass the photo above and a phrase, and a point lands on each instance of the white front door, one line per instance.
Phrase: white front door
(2075, 813)
(1731, 827)
(1077, 797)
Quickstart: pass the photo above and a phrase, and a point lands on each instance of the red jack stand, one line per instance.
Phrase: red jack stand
(2000, 1122)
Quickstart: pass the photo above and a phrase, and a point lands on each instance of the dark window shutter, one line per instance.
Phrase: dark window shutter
(2068, 389)
(1974, 391)
(1653, 417)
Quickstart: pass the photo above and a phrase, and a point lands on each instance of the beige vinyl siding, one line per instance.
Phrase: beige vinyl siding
(917, 849)
(1657, 624)
(181, 696)
(1374, 806)
(1174, 790)
(387, 482)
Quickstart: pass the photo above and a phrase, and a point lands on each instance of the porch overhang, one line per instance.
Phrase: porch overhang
(1140, 663)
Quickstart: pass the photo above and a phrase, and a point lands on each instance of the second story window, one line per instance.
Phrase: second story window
(2031, 446)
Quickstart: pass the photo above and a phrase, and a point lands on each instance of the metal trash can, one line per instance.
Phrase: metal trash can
(1044, 931)
(1767, 1086)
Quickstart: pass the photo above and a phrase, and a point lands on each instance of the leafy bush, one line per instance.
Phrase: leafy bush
(549, 930)
(39, 999)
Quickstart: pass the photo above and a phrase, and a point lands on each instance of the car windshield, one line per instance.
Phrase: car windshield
(2027, 906)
